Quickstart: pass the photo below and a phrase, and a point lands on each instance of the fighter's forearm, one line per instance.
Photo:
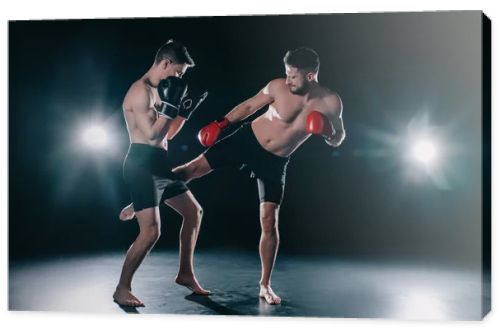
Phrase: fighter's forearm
(175, 126)
(158, 129)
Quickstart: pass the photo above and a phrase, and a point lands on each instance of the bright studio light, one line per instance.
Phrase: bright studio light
(95, 137)
(424, 151)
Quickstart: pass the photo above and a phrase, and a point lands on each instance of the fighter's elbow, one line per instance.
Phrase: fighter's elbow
(337, 139)
(171, 134)
(337, 144)
(154, 135)
(151, 135)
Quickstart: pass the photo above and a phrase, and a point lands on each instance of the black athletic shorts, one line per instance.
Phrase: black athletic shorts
(242, 149)
(147, 173)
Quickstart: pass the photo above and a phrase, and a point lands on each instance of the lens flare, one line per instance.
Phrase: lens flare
(95, 137)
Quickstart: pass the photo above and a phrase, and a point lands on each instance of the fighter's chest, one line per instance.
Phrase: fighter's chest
(293, 112)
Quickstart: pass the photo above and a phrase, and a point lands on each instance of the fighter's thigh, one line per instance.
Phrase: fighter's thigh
(142, 187)
(270, 192)
(193, 169)
(201, 164)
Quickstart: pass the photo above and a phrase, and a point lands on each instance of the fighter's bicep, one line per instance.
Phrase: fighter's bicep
(335, 114)
(338, 124)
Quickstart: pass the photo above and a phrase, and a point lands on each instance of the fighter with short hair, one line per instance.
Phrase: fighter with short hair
(298, 107)
(155, 109)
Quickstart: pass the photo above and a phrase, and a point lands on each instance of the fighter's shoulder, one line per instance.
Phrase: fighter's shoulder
(137, 97)
(139, 88)
(333, 97)
(278, 83)
(137, 93)
(275, 85)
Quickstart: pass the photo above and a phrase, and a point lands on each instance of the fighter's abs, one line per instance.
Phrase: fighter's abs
(279, 136)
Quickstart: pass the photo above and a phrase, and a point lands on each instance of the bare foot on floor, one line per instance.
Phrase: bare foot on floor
(268, 294)
(127, 213)
(190, 282)
(124, 297)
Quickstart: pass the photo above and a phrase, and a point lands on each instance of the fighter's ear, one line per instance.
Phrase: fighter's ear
(310, 76)
(164, 63)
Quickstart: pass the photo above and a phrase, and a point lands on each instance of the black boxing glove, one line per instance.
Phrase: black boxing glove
(189, 105)
(171, 91)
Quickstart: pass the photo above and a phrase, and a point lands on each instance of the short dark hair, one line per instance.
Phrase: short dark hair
(303, 58)
(176, 52)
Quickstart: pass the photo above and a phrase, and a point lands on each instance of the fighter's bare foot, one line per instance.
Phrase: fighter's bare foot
(127, 213)
(268, 294)
(125, 297)
(190, 282)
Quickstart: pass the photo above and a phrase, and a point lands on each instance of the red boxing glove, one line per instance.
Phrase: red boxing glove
(319, 124)
(209, 134)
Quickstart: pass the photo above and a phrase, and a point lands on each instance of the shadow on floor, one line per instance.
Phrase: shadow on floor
(212, 305)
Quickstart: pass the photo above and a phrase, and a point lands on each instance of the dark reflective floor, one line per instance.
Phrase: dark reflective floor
(308, 287)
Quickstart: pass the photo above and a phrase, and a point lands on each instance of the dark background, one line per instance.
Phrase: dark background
(391, 70)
